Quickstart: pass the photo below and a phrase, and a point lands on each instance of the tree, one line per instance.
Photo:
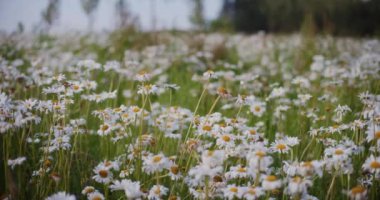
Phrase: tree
(197, 17)
(89, 7)
(50, 14)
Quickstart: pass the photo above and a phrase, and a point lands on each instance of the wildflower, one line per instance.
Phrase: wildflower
(18, 161)
(100, 97)
(155, 163)
(61, 196)
(112, 65)
(157, 191)
(372, 165)
(225, 140)
(309, 168)
(358, 192)
(277, 92)
(147, 89)
(298, 185)
(102, 174)
(174, 172)
(88, 190)
(252, 193)
(143, 76)
(131, 189)
(104, 129)
(258, 108)
(271, 182)
(209, 74)
(340, 111)
(89, 64)
(213, 158)
(237, 172)
(95, 196)
(222, 92)
(233, 191)
(373, 133)
(280, 146)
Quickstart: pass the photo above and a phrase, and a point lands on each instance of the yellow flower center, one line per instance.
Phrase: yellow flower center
(234, 189)
(257, 108)
(281, 146)
(142, 72)
(271, 178)
(157, 159)
(307, 164)
(375, 165)
(107, 163)
(136, 109)
(76, 87)
(89, 190)
(210, 153)
(222, 91)
(96, 198)
(377, 135)
(241, 169)
(358, 190)
(339, 151)
(297, 179)
(105, 127)
(260, 154)
(251, 191)
(174, 169)
(217, 179)
(103, 173)
(252, 132)
(206, 128)
(117, 109)
(226, 138)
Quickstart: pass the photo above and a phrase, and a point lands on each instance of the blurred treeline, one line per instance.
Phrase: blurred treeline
(338, 17)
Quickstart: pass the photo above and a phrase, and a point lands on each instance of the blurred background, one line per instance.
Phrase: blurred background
(337, 17)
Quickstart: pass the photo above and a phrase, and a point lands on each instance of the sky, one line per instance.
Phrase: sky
(169, 14)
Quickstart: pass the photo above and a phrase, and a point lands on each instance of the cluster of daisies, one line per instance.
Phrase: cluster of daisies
(260, 126)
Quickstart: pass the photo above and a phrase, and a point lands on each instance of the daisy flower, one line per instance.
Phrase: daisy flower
(102, 174)
(61, 196)
(257, 108)
(87, 190)
(157, 191)
(226, 140)
(155, 163)
(280, 146)
(104, 129)
(18, 161)
(271, 182)
(372, 165)
(95, 196)
(252, 193)
(298, 185)
(232, 191)
(213, 158)
(237, 172)
(131, 189)
(209, 74)
(358, 192)
(373, 133)
(174, 172)
(143, 76)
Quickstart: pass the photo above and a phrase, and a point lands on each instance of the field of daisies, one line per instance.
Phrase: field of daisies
(189, 116)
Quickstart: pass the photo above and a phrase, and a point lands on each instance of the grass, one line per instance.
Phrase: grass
(247, 65)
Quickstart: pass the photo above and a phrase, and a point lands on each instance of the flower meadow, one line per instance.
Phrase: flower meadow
(189, 116)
